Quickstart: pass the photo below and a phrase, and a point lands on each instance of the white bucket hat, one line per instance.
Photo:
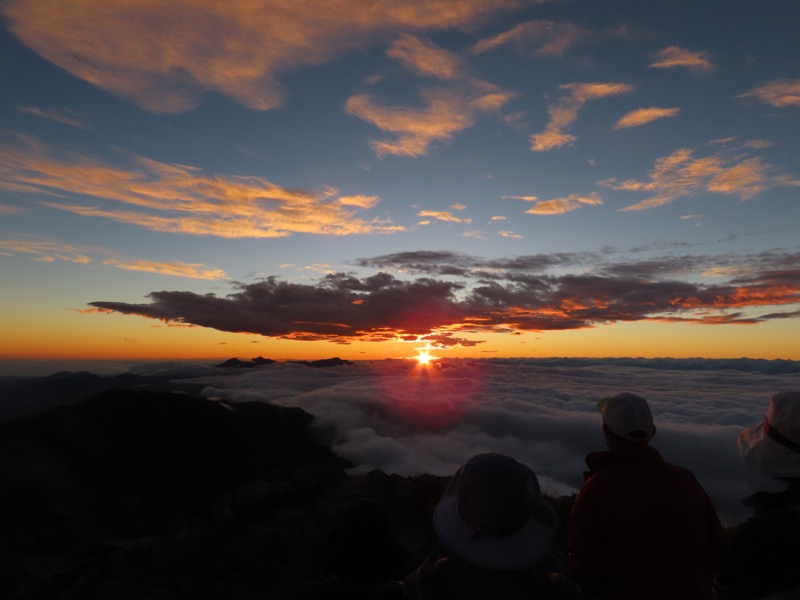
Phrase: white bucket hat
(628, 416)
(773, 446)
(493, 515)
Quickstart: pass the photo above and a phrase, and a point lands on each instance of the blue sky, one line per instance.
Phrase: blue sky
(534, 178)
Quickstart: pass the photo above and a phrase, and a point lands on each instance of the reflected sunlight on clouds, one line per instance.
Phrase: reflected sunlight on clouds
(780, 93)
(446, 112)
(426, 59)
(559, 206)
(472, 296)
(565, 112)
(468, 174)
(164, 57)
(542, 38)
(682, 174)
(182, 199)
(642, 116)
(675, 56)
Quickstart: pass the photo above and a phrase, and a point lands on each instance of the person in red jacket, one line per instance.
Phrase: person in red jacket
(640, 528)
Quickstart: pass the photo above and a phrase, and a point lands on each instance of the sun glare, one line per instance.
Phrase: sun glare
(424, 358)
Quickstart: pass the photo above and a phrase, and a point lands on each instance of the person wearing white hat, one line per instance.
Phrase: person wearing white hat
(496, 531)
(764, 560)
(640, 528)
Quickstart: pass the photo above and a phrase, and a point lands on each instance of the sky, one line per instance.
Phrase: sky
(371, 179)
(409, 419)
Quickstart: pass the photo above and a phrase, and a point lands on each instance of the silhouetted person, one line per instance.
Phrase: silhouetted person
(764, 561)
(365, 560)
(640, 528)
(496, 529)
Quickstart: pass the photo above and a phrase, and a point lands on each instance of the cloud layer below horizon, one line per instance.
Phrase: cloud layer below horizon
(395, 416)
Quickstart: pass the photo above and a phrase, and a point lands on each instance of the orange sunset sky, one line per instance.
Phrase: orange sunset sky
(478, 178)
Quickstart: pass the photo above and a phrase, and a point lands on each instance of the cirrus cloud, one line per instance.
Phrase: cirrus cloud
(682, 174)
(164, 57)
(672, 57)
(540, 37)
(559, 206)
(565, 112)
(779, 93)
(49, 251)
(177, 198)
(425, 58)
(642, 116)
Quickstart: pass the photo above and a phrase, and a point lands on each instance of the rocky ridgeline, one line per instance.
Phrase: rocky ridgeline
(137, 494)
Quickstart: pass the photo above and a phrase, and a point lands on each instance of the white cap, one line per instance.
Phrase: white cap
(773, 446)
(628, 416)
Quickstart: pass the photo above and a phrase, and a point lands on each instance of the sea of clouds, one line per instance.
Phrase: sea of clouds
(402, 418)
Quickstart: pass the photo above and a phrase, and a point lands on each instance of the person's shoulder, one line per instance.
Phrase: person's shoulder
(683, 475)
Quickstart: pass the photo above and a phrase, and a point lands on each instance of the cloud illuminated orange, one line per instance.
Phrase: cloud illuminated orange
(182, 199)
(675, 56)
(681, 174)
(559, 206)
(447, 111)
(47, 251)
(177, 269)
(544, 38)
(779, 93)
(165, 57)
(425, 58)
(44, 251)
(642, 116)
(443, 215)
(565, 111)
(501, 295)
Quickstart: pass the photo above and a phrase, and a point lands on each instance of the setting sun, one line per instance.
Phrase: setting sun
(424, 357)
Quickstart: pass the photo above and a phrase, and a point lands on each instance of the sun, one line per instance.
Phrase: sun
(424, 358)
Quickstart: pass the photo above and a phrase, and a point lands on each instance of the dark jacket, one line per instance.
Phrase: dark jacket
(450, 578)
(642, 528)
(764, 560)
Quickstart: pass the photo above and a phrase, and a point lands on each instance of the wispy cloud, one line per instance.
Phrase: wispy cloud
(672, 57)
(642, 116)
(539, 38)
(60, 116)
(779, 93)
(182, 199)
(425, 58)
(559, 206)
(510, 295)
(443, 215)
(176, 269)
(164, 58)
(565, 112)
(446, 111)
(682, 174)
(45, 251)
(415, 129)
(545, 38)
(49, 251)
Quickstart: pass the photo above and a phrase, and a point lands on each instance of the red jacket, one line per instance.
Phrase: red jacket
(642, 528)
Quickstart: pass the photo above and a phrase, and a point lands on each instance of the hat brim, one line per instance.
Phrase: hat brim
(521, 549)
(760, 452)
